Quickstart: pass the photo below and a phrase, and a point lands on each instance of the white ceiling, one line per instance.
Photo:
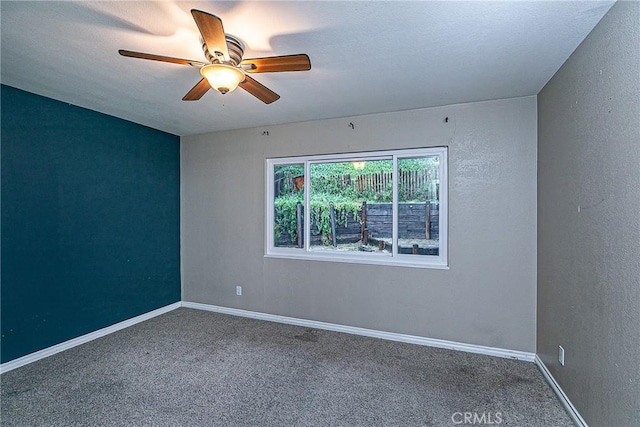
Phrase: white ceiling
(366, 57)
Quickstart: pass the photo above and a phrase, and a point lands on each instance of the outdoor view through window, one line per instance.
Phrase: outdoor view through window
(358, 205)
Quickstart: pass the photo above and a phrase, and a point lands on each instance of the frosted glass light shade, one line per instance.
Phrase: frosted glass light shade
(222, 77)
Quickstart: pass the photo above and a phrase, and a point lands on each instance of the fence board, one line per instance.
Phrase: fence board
(411, 225)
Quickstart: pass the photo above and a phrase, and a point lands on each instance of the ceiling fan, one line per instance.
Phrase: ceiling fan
(226, 68)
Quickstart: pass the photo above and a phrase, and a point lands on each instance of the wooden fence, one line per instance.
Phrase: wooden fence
(417, 185)
(415, 221)
(412, 185)
(374, 182)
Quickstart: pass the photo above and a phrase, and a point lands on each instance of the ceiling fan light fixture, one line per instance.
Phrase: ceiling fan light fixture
(222, 77)
(226, 68)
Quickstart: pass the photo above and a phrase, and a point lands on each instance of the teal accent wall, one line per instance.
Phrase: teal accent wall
(90, 221)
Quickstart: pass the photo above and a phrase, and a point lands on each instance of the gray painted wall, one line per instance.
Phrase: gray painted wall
(487, 297)
(589, 261)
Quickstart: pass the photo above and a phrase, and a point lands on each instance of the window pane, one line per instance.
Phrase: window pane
(418, 205)
(351, 206)
(288, 204)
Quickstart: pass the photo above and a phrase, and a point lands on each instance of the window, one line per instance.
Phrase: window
(386, 207)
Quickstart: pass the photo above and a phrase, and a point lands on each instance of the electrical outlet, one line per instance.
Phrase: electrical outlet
(561, 355)
(238, 290)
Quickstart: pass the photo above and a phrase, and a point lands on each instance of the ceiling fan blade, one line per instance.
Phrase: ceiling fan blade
(259, 90)
(212, 32)
(160, 58)
(272, 64)
(197, 91)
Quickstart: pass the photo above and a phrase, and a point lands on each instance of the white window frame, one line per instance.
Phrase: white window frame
(394, 258)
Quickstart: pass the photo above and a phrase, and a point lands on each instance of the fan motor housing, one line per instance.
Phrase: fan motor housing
(235, 47)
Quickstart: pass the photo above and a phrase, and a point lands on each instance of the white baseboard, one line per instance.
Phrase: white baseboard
(573, 412)
(391, 336)
(49, 351)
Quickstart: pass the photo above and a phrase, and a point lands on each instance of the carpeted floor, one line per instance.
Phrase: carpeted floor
(196, 368)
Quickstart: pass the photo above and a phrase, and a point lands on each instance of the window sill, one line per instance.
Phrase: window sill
(381, 259)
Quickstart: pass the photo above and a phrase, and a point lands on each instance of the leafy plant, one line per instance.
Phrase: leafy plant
(285, 218)
(295, 169)
(321, 213)
(342, 178)
(336, 184)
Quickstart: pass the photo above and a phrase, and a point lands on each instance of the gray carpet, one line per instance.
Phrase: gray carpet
(195, 368)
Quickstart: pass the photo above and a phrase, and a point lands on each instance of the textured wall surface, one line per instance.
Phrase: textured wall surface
(90, 221)
(589, 222)
(487, 296)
